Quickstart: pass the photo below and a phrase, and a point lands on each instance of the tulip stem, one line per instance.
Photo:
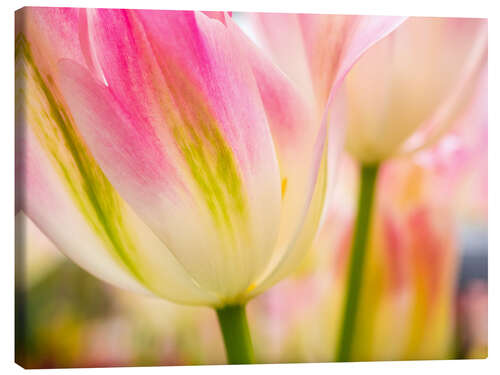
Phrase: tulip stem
(234, 326)
(356, 261)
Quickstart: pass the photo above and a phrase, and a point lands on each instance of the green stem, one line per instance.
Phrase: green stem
(234, 326)
(356, 262)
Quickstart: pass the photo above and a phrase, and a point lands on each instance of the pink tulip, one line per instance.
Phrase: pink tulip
(164, 153)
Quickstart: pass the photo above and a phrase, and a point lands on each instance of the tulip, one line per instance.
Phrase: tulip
(400, 97)
(165, 154)
(406, 305)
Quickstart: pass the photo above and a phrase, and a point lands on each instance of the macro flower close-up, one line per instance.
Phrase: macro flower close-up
(200, 158)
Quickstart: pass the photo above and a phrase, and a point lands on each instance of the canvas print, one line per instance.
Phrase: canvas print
(199, 188)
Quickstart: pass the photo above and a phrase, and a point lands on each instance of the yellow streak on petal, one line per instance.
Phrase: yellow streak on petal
(251, 287)
(283, 187)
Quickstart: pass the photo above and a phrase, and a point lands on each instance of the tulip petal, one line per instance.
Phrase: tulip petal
(300, 131)
(282, 38)
(415, 81)
(53, 34)
(303, 239)
(463, 91)
(299, 149)
(178, 127)
(66, 194)
(320, 49)
(221, 16)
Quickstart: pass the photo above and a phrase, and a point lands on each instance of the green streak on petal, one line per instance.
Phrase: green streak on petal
(210, 160)
(213, 168)
(89, 188)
